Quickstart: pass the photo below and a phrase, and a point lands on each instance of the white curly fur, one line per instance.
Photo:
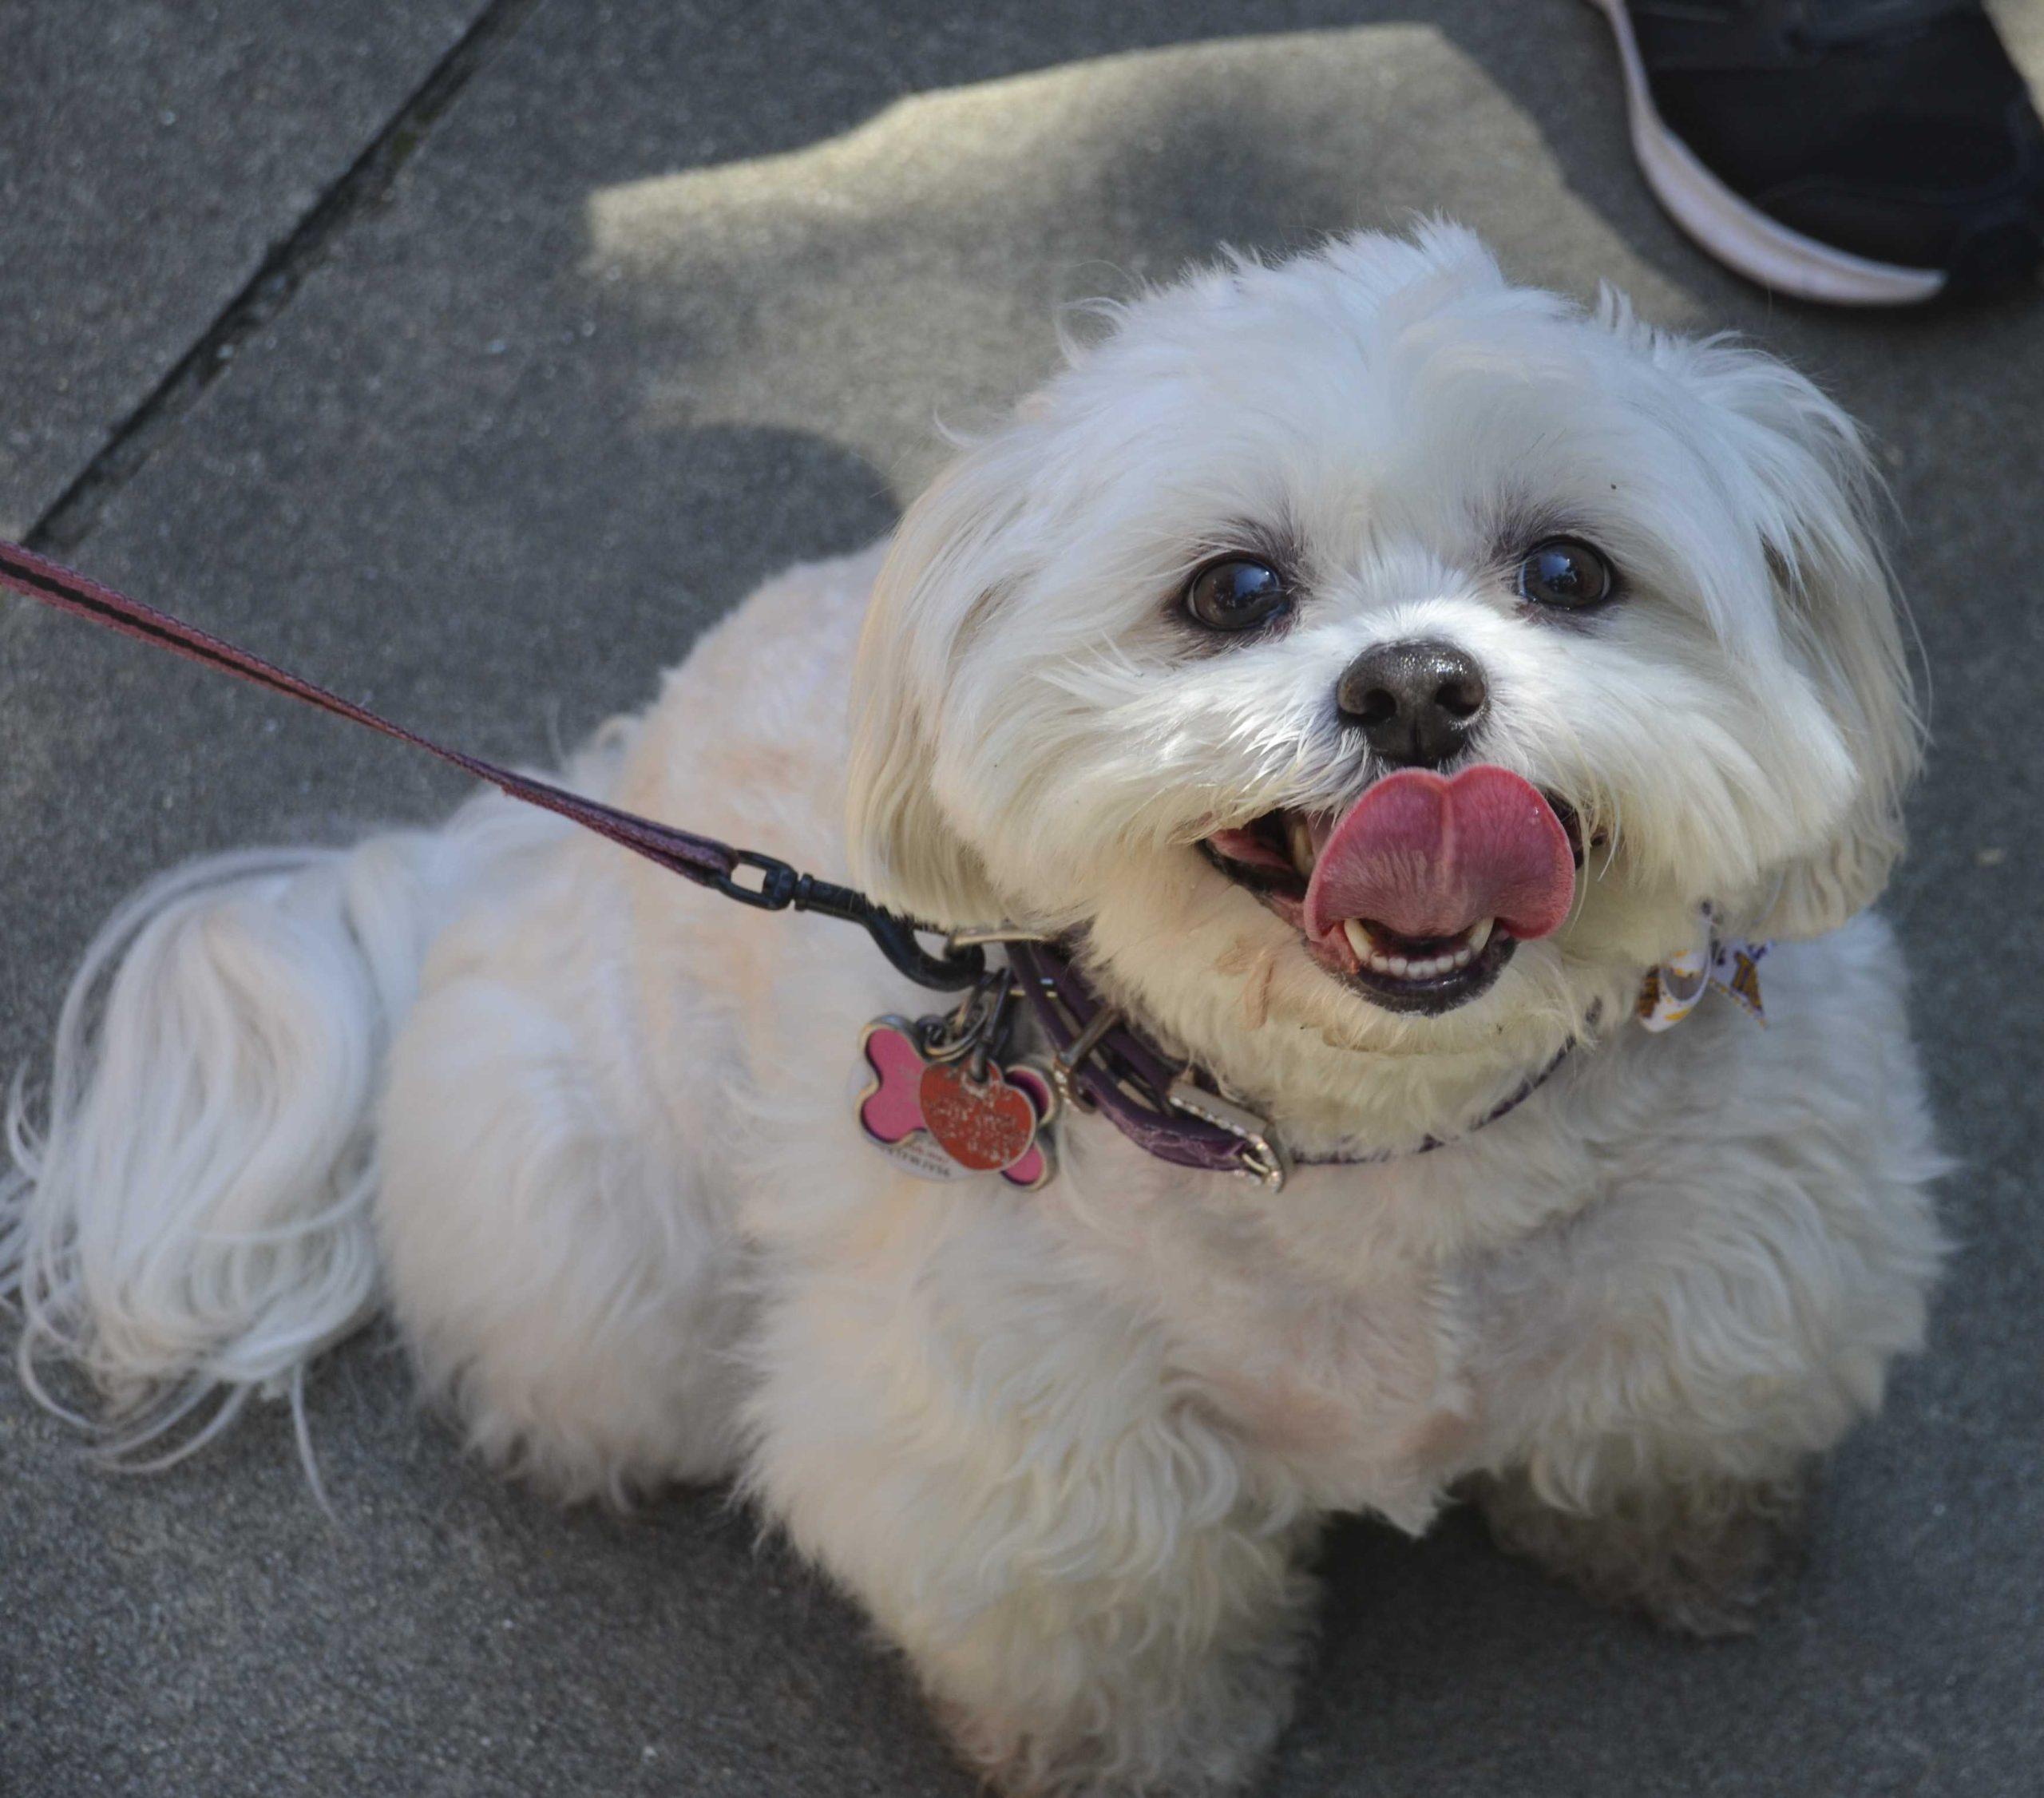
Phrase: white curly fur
(586, 1133)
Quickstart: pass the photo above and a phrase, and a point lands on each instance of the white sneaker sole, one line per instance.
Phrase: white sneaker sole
(1739, 234)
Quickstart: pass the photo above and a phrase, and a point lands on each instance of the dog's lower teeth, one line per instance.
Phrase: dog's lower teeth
(1415, 968)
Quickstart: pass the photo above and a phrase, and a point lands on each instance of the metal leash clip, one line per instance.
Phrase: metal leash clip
(976, 1028)
(959, 965)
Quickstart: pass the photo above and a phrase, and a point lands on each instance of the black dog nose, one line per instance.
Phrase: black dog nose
(1416, 703)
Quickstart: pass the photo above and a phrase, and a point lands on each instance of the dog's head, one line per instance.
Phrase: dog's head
(1370, 657)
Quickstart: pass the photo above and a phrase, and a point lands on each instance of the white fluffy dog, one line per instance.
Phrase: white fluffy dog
(1189, 663)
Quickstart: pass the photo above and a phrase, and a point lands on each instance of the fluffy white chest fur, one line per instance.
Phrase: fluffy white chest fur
(587, 1135)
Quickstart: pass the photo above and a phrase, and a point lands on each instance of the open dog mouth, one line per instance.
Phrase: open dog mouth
(1418, 895)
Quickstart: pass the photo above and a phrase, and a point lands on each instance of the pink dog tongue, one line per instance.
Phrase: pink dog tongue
(1428, 857)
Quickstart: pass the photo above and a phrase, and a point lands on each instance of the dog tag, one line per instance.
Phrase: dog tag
(1672, 990)
(984, 1124)
(933, 1120)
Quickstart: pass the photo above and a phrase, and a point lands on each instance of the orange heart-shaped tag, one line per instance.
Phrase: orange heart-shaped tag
(983, 1124)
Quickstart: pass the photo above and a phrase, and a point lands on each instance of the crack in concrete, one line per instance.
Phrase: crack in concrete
(365, 183)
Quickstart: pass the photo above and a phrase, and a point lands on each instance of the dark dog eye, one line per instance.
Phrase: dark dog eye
(1563, 573)
(1235, 594)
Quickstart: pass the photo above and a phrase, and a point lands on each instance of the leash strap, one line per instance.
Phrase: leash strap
(702, 860)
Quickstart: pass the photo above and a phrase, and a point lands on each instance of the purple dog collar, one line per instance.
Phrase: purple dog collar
(1102, 1064)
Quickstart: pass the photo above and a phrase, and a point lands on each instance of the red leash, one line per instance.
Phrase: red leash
(702, 860)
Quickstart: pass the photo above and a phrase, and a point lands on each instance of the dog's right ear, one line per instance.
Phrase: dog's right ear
(906, 846)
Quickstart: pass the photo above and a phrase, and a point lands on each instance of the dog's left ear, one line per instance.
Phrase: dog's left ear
(1804, 470)
(907, 849)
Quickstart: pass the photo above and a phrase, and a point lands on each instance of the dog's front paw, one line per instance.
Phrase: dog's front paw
(1701, 1558)
(1173, 1737)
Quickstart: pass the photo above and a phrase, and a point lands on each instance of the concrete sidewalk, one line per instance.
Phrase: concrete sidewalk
(552, 329)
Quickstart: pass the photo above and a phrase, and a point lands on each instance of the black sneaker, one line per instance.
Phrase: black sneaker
(1864, 152)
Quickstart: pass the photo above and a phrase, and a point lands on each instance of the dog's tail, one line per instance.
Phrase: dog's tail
(190, 1224)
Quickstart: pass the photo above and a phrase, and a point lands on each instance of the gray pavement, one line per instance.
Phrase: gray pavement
(151, 157)
(667, 293)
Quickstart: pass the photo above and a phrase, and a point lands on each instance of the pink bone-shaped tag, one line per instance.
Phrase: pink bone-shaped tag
(891, 1110)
